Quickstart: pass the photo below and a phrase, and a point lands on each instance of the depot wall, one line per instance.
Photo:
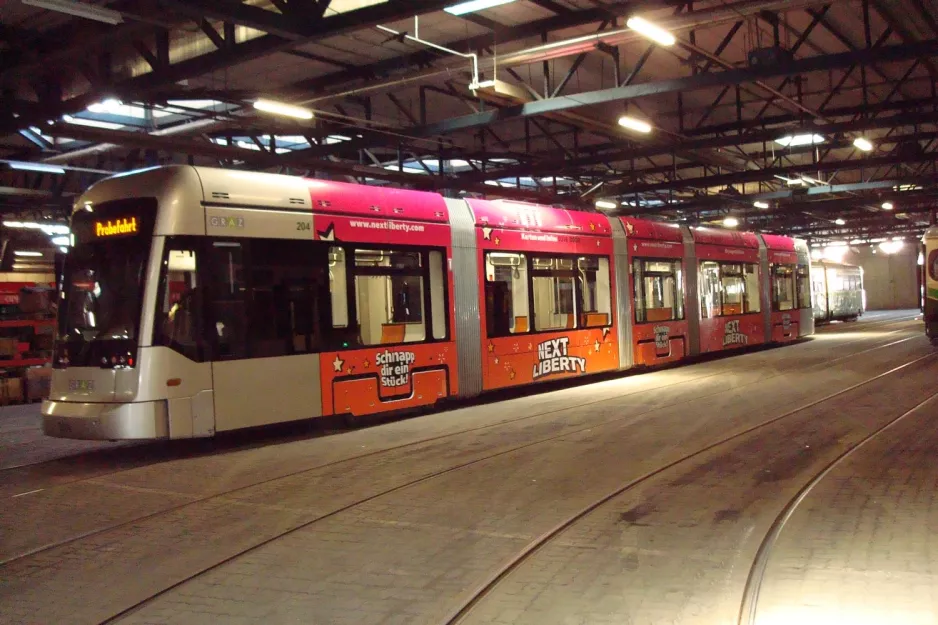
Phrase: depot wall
(891, 280)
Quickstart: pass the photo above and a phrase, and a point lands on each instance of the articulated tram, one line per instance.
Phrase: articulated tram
(201, 300)
(930, 281)
(837, 291)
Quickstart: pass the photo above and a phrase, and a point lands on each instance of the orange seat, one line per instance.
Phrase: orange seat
(392, 332)
(732, 309)
(595, 320)
(658, 314)
(521, 325)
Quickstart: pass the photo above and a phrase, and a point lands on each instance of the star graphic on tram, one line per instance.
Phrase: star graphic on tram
(337, 364)
(366, 364)
(597, 345)
(491, 347)
(497, 240)
(487, 233)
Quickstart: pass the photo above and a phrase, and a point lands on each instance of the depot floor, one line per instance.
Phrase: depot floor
(785, 485)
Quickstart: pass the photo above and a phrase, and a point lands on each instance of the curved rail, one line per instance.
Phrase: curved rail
(474, 597)
(749, 606)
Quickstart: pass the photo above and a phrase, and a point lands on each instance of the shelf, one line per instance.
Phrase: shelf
(27, 362)
(25, 323)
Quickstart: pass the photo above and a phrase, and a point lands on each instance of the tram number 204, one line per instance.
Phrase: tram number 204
(304, 225)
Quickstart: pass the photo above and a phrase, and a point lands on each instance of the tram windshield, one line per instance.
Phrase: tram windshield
(99, 317)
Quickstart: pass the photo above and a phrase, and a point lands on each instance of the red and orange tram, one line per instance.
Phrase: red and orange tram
(201, 300)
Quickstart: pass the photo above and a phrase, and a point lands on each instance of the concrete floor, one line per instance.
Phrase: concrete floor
(644, 499)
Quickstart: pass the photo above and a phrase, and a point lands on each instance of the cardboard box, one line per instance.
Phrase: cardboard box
(9, 348)
(36, 300)
(38, 382)
(12, 391)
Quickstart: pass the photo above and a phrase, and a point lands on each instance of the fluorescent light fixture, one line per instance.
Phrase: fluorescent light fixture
(857, 242)
(791, 181)
(839, 221)
(281, 108)
(792, 141)
(647, 29)
(78, 9)
(887, 206)
(48, 228)
(606, 204)
(471, 6)
(63, 240)
(26, 253)
(40, 167)
(92, 123)
(891, 247)
(64, 250)
(759, 204)
(634, 124)
(730, 222)
(863, 144)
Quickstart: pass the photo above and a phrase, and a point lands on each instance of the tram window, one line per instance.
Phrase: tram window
(506, 293)
(659, 290)
(554, 293)
(710, 289)
(783, 287)
(437, 294)
(595, 293)
(389, 296)
(753, 290)
(803, 286)
(288, 282)
(227, 319)
(178, 322)
(338, 287)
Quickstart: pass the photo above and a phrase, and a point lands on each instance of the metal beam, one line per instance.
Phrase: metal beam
(260, 47)
(767, 174)
(690, 83)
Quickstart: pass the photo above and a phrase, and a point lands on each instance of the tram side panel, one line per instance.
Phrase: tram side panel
(781, 288)
(396, 322)
(538, 322)
(657, 283)
(730, 294)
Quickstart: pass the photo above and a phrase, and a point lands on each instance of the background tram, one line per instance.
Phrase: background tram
(838, 291)
(200, 300)
(930, 241)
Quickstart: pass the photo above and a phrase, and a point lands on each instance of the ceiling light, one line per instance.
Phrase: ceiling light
(839, 221)
(78, 9)
(791, 141)
(791, 181)
(891, 247)
(606, 204)
(40, 167)
(25, 253)
(862, 144)
(280, 108)
(759, 204)
(647, 29)
(61, 241)
(93, 123)
(634, 124)
(471, 6)
(730, 222)
(887, 206)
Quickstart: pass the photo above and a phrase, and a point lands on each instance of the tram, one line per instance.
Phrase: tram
(200, 300)
(930, 253)
(838, 291)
